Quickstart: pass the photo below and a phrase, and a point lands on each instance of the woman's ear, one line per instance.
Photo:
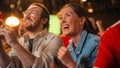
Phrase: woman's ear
(82, 20)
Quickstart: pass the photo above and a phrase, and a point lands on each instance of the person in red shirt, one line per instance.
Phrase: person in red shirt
(0, 15)
(109, 50)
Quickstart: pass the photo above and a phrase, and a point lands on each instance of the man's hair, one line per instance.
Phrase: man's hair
(44, 14)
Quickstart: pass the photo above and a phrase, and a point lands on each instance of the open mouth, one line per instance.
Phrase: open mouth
(66, 27)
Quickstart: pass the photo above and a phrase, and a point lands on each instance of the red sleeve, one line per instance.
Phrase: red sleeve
(0, 15)
(104, 57)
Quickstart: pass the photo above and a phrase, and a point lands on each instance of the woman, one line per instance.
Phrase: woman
(82, 50)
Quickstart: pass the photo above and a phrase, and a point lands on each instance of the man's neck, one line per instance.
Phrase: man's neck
(32, 34)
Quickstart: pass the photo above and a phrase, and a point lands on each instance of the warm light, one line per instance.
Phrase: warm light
(90, 10)
(12, 21)
(83, 0)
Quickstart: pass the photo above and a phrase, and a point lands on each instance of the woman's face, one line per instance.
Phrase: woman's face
(69, 21)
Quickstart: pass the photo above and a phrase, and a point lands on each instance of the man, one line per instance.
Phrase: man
(109, 50)
(82, 49)
(0, 15)
(36, 51)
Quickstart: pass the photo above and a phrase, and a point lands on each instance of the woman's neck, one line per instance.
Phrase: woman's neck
(76, 39)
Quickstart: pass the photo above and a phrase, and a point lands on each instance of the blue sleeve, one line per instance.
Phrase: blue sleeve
(93, 54)
(88, 61)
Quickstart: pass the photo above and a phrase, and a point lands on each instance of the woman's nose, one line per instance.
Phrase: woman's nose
(63, 20)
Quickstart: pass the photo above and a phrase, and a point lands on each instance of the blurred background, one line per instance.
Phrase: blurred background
(106, 10)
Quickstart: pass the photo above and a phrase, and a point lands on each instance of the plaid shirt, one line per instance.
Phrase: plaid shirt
(45, 47)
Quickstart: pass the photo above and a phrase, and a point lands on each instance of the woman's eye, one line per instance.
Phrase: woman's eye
(68, 14)
(60, 18)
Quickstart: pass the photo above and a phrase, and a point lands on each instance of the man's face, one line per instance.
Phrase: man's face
(69, 22)
(31, 19)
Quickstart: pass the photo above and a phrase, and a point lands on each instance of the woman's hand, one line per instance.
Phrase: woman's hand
(65, 57)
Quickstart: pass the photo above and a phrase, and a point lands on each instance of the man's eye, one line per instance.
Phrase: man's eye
(33, 12)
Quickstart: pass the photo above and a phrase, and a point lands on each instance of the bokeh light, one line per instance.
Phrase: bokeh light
(12, 21)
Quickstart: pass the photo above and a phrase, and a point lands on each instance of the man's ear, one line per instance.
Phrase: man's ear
(82, 20)
(44, 20)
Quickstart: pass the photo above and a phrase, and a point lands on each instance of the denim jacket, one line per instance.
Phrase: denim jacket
(85, 53)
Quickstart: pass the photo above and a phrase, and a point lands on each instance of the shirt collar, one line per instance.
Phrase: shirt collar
(80, 44)
(42, 33)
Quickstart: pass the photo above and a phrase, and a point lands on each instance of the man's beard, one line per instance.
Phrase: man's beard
(33, 27)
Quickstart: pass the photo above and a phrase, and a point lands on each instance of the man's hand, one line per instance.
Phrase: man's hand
(10, 35)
